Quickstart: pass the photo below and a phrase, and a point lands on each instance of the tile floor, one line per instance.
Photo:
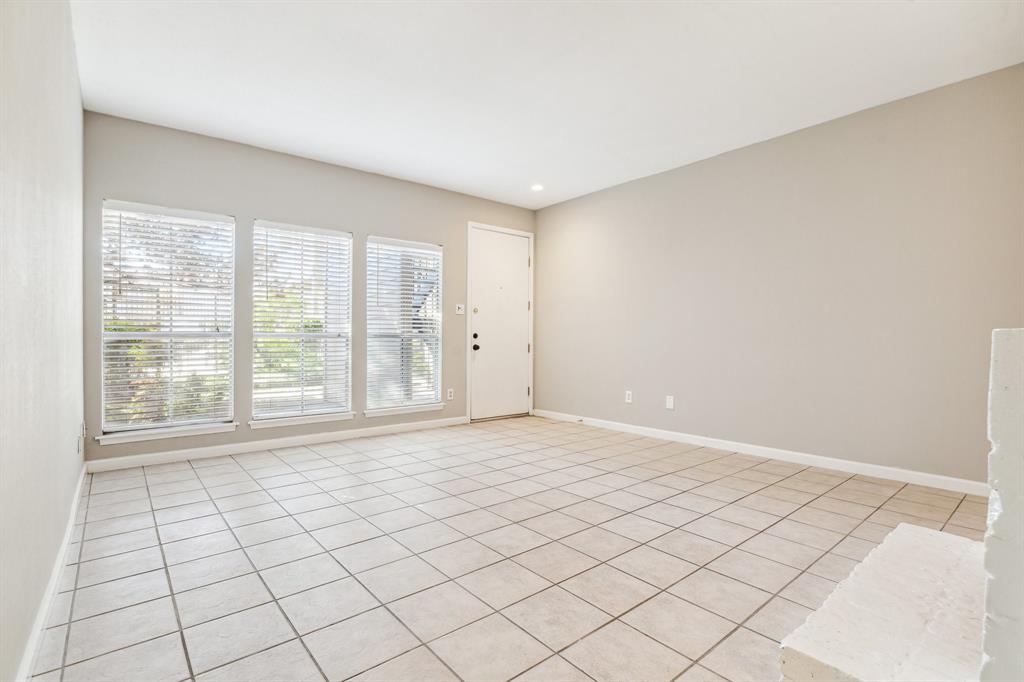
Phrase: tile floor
(523, 548)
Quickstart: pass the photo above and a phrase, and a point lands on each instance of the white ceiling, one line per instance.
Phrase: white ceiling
(488, 98)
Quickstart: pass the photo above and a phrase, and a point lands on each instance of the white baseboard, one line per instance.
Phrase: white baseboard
(961, 485)
(39, 623)
(164, 457)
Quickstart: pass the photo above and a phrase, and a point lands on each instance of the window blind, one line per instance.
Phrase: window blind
(168, 304)
(302, 320)
(403, 323)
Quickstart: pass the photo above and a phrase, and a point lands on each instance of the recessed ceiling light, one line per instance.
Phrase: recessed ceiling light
(537, 188)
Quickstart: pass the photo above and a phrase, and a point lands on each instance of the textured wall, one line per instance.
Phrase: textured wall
(40, 305)
(831, 291)
(1004, 540)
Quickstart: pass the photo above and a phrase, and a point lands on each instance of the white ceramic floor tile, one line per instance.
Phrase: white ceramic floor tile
(678, 624)
(116, 594)
(158, 660)
(617, 652)
(199, 572)
(489, 649)
(220, 599)
(327, 604)
(221, 641)
(400, 578)
(503, 583)
(418, 665)
(556, 617)
(439, 610)
(303, 574)
(288, 662)
(357, 644)
(117, 629)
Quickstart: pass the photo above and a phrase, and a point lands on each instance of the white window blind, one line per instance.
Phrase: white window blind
(302, 320)
(403, 323)
(168, 303)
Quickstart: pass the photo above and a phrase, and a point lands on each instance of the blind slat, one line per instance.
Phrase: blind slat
(168, 306)
(403, 324)
(302, 318)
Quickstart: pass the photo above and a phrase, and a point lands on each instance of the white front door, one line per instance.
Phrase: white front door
(499, 323)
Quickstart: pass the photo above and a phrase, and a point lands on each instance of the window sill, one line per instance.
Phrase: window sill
(388, 411)
(116, 437)
(273, 422)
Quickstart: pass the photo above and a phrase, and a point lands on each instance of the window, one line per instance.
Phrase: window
(403, 324)
(168, 301)
(302, 320)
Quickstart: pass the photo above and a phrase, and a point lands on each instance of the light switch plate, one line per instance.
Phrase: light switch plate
(670, 402)
(460, 309)
(629, 397)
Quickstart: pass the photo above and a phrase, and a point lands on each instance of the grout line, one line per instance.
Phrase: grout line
(170, 587)
(705, 566)
(477, 445)
(558, 584)
(274, 600)
(388, 535)
(74, 590)
(778, 592)
(381, 604)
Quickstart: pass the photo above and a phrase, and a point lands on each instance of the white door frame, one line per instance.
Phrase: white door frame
(469, 310)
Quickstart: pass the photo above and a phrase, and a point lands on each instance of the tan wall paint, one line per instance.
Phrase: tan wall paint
(40, 306)
(832, 291)
(134, 161)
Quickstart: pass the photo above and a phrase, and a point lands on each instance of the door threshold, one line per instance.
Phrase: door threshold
(504, 416)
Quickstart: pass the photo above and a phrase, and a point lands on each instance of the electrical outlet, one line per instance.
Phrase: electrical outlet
(629, 397)
(451, 394)
(670, 402)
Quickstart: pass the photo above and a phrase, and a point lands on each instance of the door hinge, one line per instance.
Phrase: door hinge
(529, 261)
(527, 390)
(529, 305)
(528, 347)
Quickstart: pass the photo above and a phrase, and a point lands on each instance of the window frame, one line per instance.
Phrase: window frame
(111, 434)
(296, 418)
(408, 408)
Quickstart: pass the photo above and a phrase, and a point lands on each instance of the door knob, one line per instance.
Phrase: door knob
(476, 346)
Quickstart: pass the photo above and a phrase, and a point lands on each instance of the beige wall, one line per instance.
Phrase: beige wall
(832, 291)
(40, 306)
(134, 161)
